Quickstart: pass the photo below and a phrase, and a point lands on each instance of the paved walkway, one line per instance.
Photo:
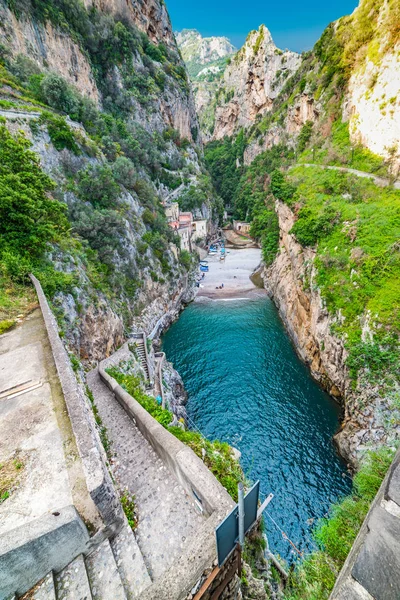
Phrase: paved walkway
(167, 517)
(380, 181)
(35, 432)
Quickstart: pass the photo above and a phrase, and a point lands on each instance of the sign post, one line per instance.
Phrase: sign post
(241, 514)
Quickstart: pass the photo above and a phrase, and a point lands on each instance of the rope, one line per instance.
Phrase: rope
(284, 534)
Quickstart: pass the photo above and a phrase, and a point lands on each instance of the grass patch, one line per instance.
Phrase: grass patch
(216, 455)
(105, 440)
(129, 508)
(10, 476)
(314, 578)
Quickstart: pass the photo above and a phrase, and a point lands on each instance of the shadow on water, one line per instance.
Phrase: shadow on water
(247, 386)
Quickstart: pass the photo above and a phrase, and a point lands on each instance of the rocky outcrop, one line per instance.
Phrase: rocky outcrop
(290, 281)
(150, 16)
(251, 82)
(372, 105)
(206, 60)
(304, 109)
(369, 417)
(202, 51)
(49, 48)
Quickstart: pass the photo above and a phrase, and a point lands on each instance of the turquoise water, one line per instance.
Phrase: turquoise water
(247, 386)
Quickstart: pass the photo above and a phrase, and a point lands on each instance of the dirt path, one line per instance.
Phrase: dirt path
(379, 181)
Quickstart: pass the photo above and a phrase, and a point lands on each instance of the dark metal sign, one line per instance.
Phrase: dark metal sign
(227, 532)
(250, 506)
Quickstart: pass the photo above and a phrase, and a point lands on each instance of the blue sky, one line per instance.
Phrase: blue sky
(295, 25)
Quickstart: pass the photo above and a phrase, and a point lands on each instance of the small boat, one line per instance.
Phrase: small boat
(204, 269)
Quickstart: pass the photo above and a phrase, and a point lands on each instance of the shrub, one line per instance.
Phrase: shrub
(124, 172)
(58, 94)
(96, 184)
(29, 217)
(59, 132)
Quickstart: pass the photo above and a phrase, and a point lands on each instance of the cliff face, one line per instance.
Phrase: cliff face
(251, 82)
(126, 142)
(150, 16)
(290, 281)
(206, 60)
(47, 46)
(352, 74)
(372, 103)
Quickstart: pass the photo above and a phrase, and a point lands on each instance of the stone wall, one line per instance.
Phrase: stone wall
(98, 480)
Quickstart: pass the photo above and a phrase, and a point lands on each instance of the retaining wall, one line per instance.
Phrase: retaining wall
(98, 480)
(372, 568)
(209, 495)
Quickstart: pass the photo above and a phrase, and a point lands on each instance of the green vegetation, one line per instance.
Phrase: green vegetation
(216, 455)
(10, 476)
(355, 227)
(248, 191)
(99, 422)
(128, 505)
(96, 221)
(314, 577)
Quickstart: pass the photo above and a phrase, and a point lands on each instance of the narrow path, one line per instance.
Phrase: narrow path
(380, 181)
(167, 517)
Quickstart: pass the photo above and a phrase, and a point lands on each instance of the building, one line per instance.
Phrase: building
(199, 229)
(188, 229)
(241, 227)
(172, 212)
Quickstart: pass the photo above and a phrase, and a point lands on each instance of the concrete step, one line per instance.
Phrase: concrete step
(130, 563)
(72, 582)
(104, 578)
(44, 590)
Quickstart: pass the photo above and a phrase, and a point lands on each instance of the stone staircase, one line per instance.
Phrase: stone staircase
(115, 570)
(141, 352)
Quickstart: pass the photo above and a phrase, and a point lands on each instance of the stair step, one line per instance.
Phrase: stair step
(104, 578)
(72, 582)
(44, 590)
(130, 563)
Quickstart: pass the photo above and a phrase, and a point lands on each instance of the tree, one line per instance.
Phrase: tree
(29, 217)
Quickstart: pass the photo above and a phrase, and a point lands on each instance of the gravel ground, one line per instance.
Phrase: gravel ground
(234, 273)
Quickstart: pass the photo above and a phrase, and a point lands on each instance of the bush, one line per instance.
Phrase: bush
(29, 217)
(59, 132)
(185, 259)
(96, 184)
(58, 94)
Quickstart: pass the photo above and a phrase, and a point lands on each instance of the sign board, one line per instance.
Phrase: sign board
(251, 506)
(227, 532)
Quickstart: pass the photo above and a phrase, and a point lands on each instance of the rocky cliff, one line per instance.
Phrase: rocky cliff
(101, 93)
(206, 60)
(251, 82)
(352, 74)
(370, 418)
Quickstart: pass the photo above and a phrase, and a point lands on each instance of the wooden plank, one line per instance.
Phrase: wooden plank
(229, 576)
(207, 583)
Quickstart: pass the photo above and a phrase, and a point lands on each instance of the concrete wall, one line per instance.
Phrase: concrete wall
(29, 552)
(98, 480)
(198, 482)
(372, 568)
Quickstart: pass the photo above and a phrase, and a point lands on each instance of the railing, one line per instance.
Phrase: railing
(158, 374)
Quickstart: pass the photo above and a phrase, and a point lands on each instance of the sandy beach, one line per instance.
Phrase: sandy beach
(234, 273)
